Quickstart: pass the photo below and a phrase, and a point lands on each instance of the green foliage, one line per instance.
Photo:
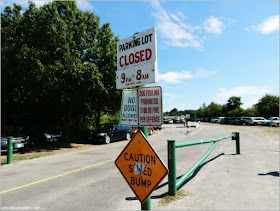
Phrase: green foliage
(57, 55)
(268, 106)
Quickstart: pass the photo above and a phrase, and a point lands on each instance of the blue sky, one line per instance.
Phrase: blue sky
(207, 51)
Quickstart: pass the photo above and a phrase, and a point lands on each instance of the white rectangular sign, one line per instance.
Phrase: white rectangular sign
(129, 105)
(137, 60)
(150, 106)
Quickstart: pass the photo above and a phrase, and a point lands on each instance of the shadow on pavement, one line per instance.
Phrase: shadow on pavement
(189, 179)
(274, 173)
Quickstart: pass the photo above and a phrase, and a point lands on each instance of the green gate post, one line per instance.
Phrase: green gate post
(10, 150)
(146, 205)
(237, 143)
(172, 190)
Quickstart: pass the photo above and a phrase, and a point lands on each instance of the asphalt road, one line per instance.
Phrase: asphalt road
(89, 179)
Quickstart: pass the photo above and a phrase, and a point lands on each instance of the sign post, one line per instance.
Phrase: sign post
(137, 66)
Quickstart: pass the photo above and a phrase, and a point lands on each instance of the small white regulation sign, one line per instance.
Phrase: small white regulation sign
(129, 104)
(150, 106)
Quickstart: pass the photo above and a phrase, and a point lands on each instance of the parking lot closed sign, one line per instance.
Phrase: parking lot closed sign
(129, 112)
(137, 60)
(150, 106)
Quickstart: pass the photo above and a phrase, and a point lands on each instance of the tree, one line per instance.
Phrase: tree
(214, 110)
(107, 64)
(173, 112)
(250, 112)
(268, 106)
(58, 55)
(233, 103)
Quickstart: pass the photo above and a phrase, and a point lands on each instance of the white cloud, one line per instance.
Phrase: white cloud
(267, 26)
(175, 77)
(249, 94)
(170, 95)
(84, 5)
(181, 77)
(214, 25)
(175, 32)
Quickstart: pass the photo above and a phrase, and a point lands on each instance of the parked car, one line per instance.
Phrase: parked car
(150, 130)
(273, 121)
(183, 120)
(226, 120)
(12, 132)
(111, 132)
(199, 119)
(220, 119)
(165, 121)
(41, 136)
(235, 120)
(176, 120)
(207, 119)
(244, 121)
(214, 119)
(157, 127)
(256, 121)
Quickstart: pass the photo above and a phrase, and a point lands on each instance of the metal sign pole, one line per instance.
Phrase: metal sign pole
(147, 204)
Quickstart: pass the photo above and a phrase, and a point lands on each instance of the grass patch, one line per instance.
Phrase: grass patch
(32, 153)
(273, 130)
(167, 199)
(18, 157)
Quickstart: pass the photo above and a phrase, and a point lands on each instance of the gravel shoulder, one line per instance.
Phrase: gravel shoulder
(271, 133)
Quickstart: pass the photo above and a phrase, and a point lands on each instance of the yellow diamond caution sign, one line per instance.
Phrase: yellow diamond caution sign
(141, 166)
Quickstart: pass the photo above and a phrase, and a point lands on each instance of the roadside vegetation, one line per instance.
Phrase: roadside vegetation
(167, 199)
(58, 68)
(267, 106)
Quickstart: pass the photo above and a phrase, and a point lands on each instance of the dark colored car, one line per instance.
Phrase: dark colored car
(235, 120)
(226, 120)
(111, 132)
(19, 138)
(243, 121)
(176, 120)
(157, 127)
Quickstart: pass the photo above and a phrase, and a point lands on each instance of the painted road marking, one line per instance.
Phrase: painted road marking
(70, 172)
(43, 180)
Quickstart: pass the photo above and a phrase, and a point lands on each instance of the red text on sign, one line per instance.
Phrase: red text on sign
(139, 56)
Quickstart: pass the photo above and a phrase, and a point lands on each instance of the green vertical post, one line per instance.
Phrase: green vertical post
(237, 139)
(146, 205)
(10, 150)
(172, 190)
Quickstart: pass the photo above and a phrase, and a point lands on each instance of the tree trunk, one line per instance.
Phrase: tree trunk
(67, 124)
(97, 118)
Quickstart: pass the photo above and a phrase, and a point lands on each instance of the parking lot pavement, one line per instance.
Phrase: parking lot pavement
(226, 181)
(88, 179)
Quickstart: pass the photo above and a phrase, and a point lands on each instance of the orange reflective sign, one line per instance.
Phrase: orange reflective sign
(141, 166)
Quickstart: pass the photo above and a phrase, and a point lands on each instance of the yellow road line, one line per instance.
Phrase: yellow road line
(70, 172)
(43, 180)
